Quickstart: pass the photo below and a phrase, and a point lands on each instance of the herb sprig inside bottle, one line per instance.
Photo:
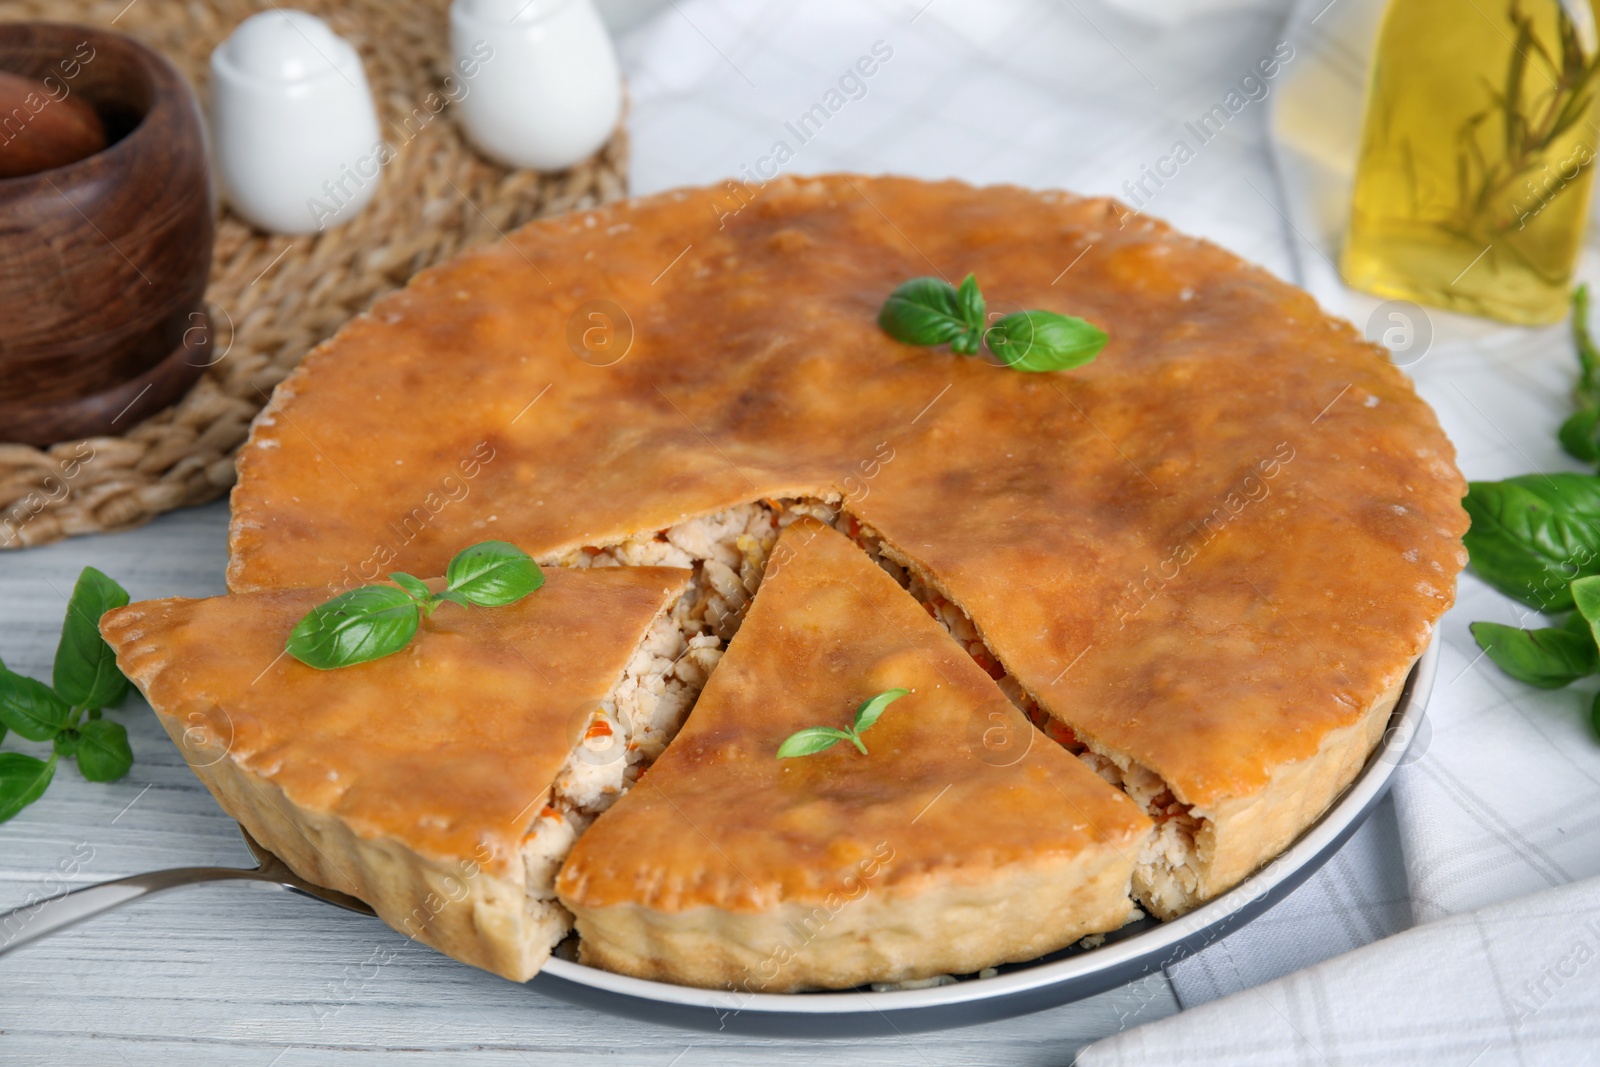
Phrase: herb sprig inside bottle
(379, 620)
(931, 311)
(814, 739)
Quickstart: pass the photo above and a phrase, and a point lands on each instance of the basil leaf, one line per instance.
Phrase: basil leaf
(86, 672)
(1588, 387)
(1580, 435)
(868, 712)
(454, 598)
(32, 709)
(102, 751)
(493, 573)
(810, 741)
(1586, 598)
(355, 627)
(1533, 534)
(23, 779)
(65, 743)
(1576, 623)
(1549, 658)
(1044, 341)
(415, 586)
(924, 311)
(1594, 715)
(973, 311)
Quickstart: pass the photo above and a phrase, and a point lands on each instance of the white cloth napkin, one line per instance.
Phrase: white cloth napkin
(1514, 983)
(1501, 797)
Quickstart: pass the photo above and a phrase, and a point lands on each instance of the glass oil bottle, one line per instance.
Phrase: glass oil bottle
(1477, 156)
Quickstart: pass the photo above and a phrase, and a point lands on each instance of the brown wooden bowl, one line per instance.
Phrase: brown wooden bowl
(103, 262)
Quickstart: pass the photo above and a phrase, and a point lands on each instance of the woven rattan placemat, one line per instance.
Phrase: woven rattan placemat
(273, 298)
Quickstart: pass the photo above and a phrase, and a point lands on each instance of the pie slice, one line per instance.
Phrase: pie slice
(962, 840)
(443, 784)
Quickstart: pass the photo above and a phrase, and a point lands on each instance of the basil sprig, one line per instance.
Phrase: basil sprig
(930, 311)
(1551, 657)
(1536, 537)
(379, 620)
(1580, 434)
(1045, 341)
(1532, 534)
(67, 713)
(814, 739)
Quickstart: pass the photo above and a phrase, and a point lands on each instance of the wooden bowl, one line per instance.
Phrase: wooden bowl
(103, 262)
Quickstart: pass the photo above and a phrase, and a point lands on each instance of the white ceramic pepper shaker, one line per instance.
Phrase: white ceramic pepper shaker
(293, 126)
(546, 90)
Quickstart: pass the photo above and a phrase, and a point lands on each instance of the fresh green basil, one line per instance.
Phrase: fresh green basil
(974, 312)
(930, 311)
(67, 715)
(379, 620)
(23, 779)
(86, 672)
(814, 739)
(415, 586)
(1586, 598)
(1536, 537)
(355, 627)
(1044, 341)
(1533, 534)
(493, 574)
(868, 712)
(102, 751)
(31, 709)
(1580, 434)
(1548, 658)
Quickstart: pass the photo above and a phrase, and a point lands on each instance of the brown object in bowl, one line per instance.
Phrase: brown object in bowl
(103, 262)
(43, 127)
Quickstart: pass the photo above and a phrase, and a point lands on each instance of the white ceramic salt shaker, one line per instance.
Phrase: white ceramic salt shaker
(293, 127)
(540, 77)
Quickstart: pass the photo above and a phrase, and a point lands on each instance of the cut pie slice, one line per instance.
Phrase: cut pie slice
(443, 784)
(957, 842)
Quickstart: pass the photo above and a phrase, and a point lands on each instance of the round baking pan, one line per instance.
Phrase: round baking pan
(1020, 988)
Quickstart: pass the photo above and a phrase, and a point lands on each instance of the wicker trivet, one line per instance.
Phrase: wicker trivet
(273, 298)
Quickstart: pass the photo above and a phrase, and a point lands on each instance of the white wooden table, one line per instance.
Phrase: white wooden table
(235, 973)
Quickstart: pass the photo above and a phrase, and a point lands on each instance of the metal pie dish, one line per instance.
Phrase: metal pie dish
(1061, 977)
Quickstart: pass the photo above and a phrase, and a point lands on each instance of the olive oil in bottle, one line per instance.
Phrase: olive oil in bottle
(1477, 156)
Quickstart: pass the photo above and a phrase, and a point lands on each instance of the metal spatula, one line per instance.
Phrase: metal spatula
(32, 921)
